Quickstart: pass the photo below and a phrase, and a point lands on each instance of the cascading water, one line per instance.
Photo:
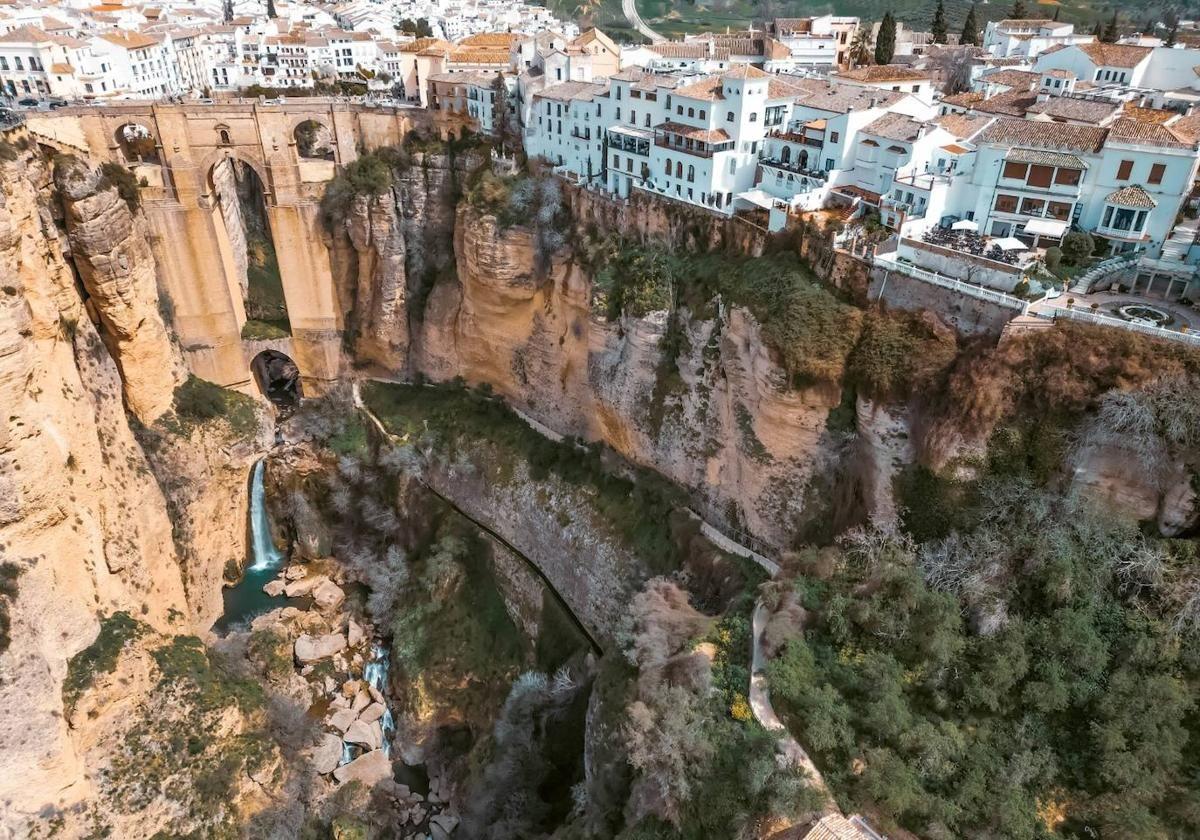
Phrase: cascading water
(376, 675)
(266, 556)
(246, 600)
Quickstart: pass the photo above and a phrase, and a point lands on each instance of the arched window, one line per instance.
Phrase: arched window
(691, 173)
(224, 134)
(691, 112)
(754, 117)
(678, 169)
(667, 168)
(786, 154)
(804, 159)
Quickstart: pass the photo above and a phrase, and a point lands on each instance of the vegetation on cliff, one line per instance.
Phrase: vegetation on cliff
(198, 401)
(100, 657)
(9, 573)
(449, 416)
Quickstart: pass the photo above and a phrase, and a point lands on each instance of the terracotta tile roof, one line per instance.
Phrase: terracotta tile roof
(955, 149)
(709, 88)
(1149, 134)
(1075, 110)
(1059, 74)
(967, 99)
(472, 55)
(1044, 158)
(490, 39)
(1023, 23)
(1132, 196)
(704, 135)
(745, 71)
(963, 126)
(884, 73)
(1015, 79)
(895, 127)
(673, 49)
(1187, 127)
(1061, 136)
(422, 44)
(1114, 55)
(1013, 103)
(25, 35)
(842, 99)
(1152, 115)
(779, 88)
(130, 40)
(568, 91)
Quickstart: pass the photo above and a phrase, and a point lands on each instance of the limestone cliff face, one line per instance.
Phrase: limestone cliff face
(80, 512)
(389, 251)
(112, 255)
(728, 428)
(1118, 477)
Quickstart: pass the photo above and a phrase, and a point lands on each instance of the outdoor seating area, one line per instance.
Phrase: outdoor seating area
(1006, 250)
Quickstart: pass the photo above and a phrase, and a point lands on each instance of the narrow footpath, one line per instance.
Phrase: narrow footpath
(629, 7)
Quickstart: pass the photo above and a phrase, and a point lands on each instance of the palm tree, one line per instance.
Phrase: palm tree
(860, 48)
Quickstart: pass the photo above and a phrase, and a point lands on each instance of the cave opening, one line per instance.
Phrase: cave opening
(278, 378)
(241, 203)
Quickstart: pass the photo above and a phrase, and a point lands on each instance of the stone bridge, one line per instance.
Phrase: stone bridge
(189, 237)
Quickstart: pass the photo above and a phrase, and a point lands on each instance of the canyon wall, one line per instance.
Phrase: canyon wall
(83, 519)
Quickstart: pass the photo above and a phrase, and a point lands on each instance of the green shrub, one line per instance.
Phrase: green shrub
(899, 354)
(1054, 257)
(100, 657)
(254, 330)
(116, 175)
(199, 401)
(9, 572)
(368, 175)
(1077, 246)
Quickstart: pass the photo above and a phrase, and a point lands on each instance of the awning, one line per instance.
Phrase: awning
(1010, 243)
(757, 198)
(1046, 227)
(965, 224)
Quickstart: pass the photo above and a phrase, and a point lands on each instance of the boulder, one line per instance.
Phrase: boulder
(342, 719)
(372, 713)
(274, 588)
(294, 572)
(368, 735)
(361, 701)
(327, 595)
(447, 822)
(354, 633)
(351, 687)
(376, 694)
(315, 648)
(330, 685)
(327, 753)
(304, 586)
(369, 768)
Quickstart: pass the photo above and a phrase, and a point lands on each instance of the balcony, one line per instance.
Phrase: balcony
(795, 168)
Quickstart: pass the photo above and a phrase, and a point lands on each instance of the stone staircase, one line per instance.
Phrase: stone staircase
(1180, 241)
(1101, 270)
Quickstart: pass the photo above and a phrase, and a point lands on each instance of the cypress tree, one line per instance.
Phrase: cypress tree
(1057, 9)
(970, 31)
(885, 41)
(1172, 21)
(1110, 31)
(1018, 10)
(1098, 31)
(938, 28)
(271, 9)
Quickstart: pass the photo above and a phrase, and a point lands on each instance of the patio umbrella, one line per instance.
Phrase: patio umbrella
(964, 224)
(1010, 243)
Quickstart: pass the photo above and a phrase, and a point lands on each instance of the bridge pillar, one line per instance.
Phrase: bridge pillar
(199, 279)
(309, 292)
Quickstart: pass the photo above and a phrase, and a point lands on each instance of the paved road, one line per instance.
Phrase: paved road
(764, 712)
(629, 7)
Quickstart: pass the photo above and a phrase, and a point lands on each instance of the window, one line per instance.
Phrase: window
(691, 112)
(1040, 176)
(1124, 170)
(1006, 203)
(678, 169)
(1156, 173)
(633, 117)
(729, 116)
(828, 164)
(732, 166)
(3, 63)
(679, 110)
(1032, 206)
(833, 137)
(1058, 210)
(1015, 170)
(754, 116)
(1069, 177)
(618, 91)
(667, 168)
(691, 174)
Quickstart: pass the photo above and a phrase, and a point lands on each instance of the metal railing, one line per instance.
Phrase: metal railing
(1053, 312)
(886, 261)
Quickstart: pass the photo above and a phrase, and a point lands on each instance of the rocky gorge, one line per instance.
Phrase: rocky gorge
(473, 590)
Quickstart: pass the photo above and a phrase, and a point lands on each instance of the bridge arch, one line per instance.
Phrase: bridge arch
(137, 142)
(314, 139)
(217, 156)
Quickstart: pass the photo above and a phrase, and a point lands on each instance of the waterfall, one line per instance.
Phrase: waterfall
(266, 556)
(376, 674)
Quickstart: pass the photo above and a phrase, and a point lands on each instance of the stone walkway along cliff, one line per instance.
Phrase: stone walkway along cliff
(759, 695)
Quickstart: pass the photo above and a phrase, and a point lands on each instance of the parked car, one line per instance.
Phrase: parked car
(28, 102)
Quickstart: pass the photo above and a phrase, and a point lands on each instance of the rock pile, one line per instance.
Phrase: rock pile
(332, 649)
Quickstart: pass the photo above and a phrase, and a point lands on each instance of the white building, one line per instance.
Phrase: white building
(1029, 38)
